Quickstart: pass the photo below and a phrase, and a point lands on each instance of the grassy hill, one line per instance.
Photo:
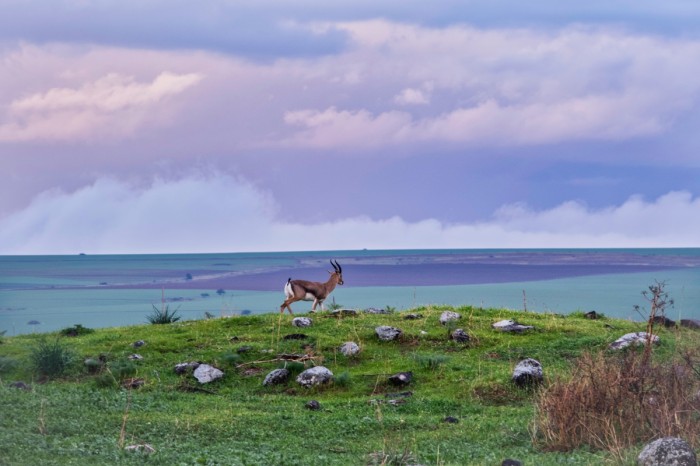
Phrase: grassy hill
(86, 415)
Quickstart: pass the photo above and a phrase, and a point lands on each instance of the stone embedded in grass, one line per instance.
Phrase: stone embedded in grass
(349, 348)
(205, 373)
(20, 385)
(295, 336)
(143, 448)
(401, 379)
(460, 336)
(412, 316)
(451, 420)
(527, 372)
(387, 333)
(509, 325)
(511, 462)
(302, 322)
(374, 310)
(133, 383)
(635, 338)
(593, 315)
(138, 344)
(667, 451)
(449, 316)
(315, 376)
(313, 405)
(135, 357)
(343, 312)
(185, 367)
(277, 377)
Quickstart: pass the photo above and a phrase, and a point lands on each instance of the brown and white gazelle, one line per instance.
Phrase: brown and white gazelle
(302, 290)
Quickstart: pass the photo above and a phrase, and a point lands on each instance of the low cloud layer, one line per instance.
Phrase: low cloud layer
(218, 213)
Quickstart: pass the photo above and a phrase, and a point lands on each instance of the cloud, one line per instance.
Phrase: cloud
(113, 105)
(410, 96)
(220, 213)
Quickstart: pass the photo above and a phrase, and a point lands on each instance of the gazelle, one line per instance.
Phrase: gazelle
(302, 290)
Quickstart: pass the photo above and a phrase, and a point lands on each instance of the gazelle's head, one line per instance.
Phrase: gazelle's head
(338, 271)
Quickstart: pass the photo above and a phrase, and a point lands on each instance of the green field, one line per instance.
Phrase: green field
(86, 416)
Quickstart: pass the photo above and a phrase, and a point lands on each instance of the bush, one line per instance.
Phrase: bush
(51, 358)
(430, 361)
(116, 372)
(615, 401)
(163, 315)
(76, 331)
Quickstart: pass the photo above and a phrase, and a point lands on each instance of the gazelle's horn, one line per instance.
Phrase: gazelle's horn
(336, 266)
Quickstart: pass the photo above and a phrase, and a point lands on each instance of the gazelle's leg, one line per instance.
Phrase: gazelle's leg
(313, 308)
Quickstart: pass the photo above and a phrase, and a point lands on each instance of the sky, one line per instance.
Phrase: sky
(230, 126)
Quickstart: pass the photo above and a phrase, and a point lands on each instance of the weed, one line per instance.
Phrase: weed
(430, 361)
(163, 315)
(343, 380)
(51, 358)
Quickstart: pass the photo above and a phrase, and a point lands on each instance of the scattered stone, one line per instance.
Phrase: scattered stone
(205, 373)
(313, 405)
(302, 322)
(451, 420)
(510, 462)
(387, 333)
(509, 325)
(142, 448)
(690, 323)
(527, 372)
(412, 316)
(135, 357)
(277, 377)
(349, 349)
(663, 320)
(233, 338)
(668, 451)
(399, 395)
(315, 376)
(449, 316)
(636, 338)
(374, 310)
(460, 336)
(186, 367)
(593, 315)
(20, 385)
(401, 379)
(244, 349)
(133, 383)
(295, 336)
(343, 312)
(138, 344)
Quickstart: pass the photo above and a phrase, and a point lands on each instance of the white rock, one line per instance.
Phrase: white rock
(302, 322)
(349, 348)
(206, 373)
(636, 338)
(386, 333)
(669, 451)
(449, 316)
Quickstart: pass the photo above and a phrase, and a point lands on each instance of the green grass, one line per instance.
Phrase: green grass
(81, 419)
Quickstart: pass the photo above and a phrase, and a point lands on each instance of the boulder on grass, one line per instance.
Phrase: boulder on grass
(185, 367)
(276, 377)
(667, 451)
(315, 376)
(349, 349)
(460, 336)
(690, 323)
(635, 338)
(302, 322)
(401, 379)
(449, 316)
(527, 372)
(205, 373)
(387, 333)
(509, 325)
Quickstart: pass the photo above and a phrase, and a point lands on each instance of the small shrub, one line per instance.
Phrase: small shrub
(430, 361)
(116, 372)
(163, 315)
(51, 358)
(343, 380)
(76, 330)
(333, 306)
